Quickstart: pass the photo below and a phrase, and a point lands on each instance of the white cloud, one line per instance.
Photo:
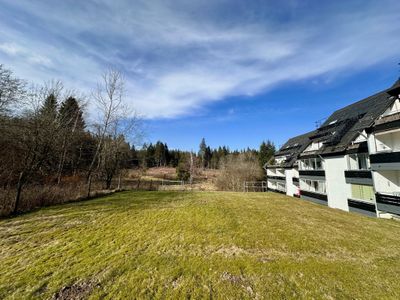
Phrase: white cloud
(180, 56)
(10, 49)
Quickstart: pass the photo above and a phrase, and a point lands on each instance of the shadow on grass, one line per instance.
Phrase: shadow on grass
(115, 202)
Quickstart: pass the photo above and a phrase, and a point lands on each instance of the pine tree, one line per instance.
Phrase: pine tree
(202, 152)
(267, 151)
(70, 115)
(48, 112)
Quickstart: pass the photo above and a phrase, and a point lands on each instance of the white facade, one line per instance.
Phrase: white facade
(336, 188)
(365, 176)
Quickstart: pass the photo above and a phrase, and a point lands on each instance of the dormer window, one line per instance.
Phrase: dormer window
(314, 146)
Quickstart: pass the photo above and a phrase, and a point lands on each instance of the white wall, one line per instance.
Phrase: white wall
(271, 172)
(291, 189)
(336, 187)
(387, 181)
(388, 142)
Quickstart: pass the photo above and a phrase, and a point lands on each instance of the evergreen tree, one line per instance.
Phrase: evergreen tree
(70, 115)
(48, 111)
(267, 151)
(160, 156)
(134, 157)
(150, 156)
(202, 152)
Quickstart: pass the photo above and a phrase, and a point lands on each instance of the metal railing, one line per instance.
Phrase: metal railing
(255, 186)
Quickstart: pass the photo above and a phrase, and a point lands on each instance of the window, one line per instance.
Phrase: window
(362, 192)
(362, 162)
(358, 161)
(318, 163)
(314, 146)
(311, 164)
(317, 186)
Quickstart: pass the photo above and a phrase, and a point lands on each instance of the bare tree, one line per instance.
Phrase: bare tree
(12, 90)
(236, 169)
(115, 121)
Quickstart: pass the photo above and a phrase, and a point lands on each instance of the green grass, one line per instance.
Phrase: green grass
(151, 245)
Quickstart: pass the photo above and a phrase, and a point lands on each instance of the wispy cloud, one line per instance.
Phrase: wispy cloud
(179, 56)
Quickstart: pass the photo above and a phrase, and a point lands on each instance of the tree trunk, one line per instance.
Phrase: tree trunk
(108, 182)
(119, 181)
(89, 183)
(19, 190)
(61, 165)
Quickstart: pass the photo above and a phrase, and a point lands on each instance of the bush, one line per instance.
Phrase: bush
(236, 169)
(183, 172)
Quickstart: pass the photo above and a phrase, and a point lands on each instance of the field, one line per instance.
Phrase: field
(210, 245)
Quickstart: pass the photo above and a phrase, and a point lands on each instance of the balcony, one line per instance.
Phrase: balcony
(358, 176)
(312, 173)
(314, 197)
(385, 161)
(277, 177)
(276, 190)
(388, 203)
(363, 207)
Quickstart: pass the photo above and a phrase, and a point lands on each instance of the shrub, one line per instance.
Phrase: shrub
(236, 169)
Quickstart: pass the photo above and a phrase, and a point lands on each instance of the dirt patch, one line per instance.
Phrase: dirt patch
(231, 251)
(241, 281)
(237, 279)
(77, 291)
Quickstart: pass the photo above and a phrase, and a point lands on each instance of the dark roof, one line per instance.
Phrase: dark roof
(292, 148)
(395, 88)
(345, 124)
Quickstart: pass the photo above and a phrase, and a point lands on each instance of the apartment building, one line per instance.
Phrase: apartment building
(352, 161)
(282, 172)
(384, 149)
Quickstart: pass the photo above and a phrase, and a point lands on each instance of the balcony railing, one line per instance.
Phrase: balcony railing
(388, 202)
(277, 190)
(318, 196)
(279, 178)
(319, 173)
(384, 158)
(358, 174)
(363, 205)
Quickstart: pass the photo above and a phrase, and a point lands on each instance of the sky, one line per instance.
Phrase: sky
(234, 72)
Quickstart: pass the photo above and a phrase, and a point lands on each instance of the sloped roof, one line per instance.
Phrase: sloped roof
(345, 124)
(292, 148)
(395, 88)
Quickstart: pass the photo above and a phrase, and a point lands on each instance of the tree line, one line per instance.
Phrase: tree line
(46, 139)
(49, 139)
(160, 155)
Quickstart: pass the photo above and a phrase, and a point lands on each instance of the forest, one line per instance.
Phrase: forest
(57, 144)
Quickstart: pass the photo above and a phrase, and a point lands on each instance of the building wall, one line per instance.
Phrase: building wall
(388, 142)
(336, 187)
(387, 181)
(291, 189)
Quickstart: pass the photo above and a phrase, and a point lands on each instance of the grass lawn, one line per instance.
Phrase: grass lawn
(151, 245)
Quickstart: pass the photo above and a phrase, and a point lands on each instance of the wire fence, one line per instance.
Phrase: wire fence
(255, 186)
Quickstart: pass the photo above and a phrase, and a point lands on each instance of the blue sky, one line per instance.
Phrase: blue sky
(234, 72)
